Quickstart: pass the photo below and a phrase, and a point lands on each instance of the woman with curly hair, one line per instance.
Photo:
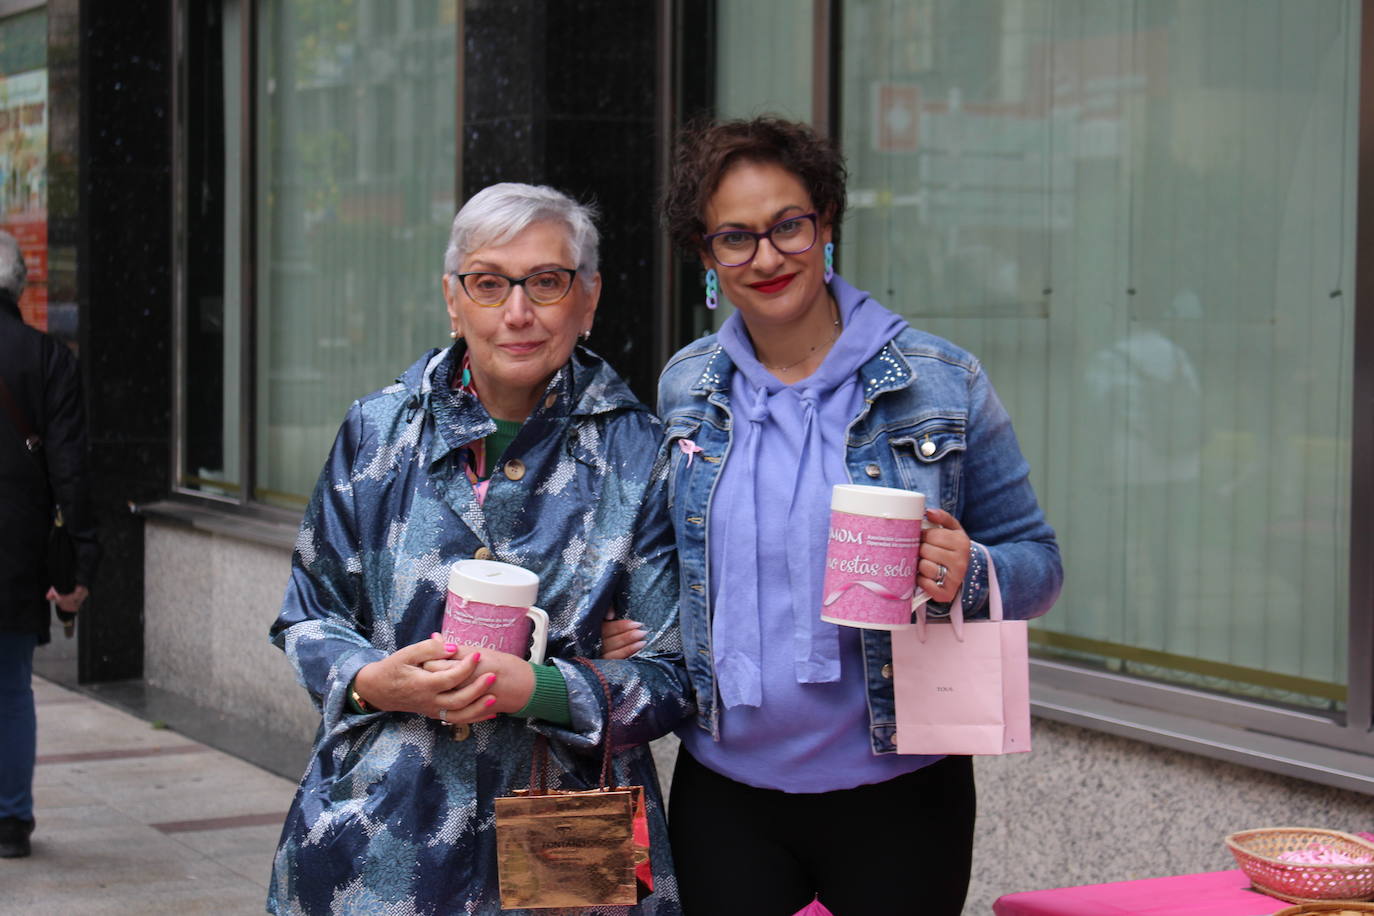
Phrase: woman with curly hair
(789, 785)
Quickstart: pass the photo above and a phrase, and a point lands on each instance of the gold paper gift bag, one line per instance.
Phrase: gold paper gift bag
(567, 849)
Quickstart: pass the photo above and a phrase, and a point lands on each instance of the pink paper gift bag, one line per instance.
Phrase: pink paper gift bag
(814, 908)
(963, 687)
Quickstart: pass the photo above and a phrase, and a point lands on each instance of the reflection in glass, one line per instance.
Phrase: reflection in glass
(24, 127)
(1136, 215)
(764, 66)
(356, 193)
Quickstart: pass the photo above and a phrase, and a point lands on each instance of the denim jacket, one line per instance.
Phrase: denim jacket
(930, 422)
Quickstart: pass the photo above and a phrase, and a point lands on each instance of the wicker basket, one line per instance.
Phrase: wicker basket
(1257, 854)
(1327, 909)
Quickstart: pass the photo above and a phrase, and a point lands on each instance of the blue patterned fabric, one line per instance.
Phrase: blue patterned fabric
(393, 815)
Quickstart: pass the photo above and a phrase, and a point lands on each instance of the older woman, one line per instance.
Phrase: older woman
(516, 445)
(789, 784)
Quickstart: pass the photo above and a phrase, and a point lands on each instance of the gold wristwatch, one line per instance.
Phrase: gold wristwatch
(358, 701)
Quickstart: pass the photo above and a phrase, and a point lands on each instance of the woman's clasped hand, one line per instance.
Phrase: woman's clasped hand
(456, 684)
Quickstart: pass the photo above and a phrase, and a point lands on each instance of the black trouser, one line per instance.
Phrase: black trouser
(897, 847)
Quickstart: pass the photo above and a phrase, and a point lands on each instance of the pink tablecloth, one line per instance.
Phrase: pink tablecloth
(1218, 893)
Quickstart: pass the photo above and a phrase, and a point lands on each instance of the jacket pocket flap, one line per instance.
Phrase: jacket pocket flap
(933, 439)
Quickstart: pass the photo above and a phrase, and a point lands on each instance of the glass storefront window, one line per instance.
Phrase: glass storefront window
(24, 161)
(355, 194)
(1137, 216)
(764, 66)
(764, 58)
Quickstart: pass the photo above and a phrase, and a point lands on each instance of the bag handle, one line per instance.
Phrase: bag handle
(956, 606)
(539, 760)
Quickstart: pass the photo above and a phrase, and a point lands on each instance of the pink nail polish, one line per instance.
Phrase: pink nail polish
(450, 647)
(491, 679)
(476, 657)
(490, 701)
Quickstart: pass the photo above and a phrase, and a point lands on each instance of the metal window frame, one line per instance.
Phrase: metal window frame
(667, 77)
(179, 320)
(1361, 686)
(247, 237)
(248, 247)
(825, 67)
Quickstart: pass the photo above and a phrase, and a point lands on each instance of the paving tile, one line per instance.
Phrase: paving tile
(53, 793)
(123, 894)
(104, 783)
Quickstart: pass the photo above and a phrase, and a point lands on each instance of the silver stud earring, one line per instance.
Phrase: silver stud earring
(453, 333)
(587, 334)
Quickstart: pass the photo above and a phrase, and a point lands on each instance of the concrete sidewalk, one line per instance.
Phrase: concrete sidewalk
(134, 818)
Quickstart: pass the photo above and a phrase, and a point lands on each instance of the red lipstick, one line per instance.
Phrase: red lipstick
(774, 285)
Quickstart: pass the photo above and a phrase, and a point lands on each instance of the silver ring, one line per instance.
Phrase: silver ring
(940, 579)
(443, 716)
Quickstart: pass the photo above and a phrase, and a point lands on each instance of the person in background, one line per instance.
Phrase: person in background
(513, 444)
(788, 784)
(40, 383)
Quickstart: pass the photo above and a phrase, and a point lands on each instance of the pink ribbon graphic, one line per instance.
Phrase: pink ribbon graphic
(689, 448)
(880, 590)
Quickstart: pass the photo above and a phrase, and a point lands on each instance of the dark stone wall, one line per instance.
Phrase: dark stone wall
(562, 92)
(124, 282)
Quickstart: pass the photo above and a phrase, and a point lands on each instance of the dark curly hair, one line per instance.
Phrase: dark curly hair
(707, 149)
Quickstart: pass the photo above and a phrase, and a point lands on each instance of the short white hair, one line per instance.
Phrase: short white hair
(13, 272)
(497, 214)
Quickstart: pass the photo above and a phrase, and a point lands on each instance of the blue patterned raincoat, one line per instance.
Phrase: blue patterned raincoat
(394, 815)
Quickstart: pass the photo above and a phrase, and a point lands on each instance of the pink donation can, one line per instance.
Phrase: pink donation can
(870, 561)
(491, 604)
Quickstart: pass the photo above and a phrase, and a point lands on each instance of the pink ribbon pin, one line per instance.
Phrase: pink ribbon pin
(689, 448)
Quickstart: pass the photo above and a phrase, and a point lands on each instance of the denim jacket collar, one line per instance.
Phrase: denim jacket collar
(887, 371)
(716, 376)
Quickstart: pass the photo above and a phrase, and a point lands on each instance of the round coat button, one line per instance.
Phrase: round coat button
(551, 400)
(873, 471)
(927, 448)
(887, 671)
(483, 553)
(461, 732)
(515, 469)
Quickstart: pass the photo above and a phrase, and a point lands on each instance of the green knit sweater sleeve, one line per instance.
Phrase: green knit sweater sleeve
(550, 698)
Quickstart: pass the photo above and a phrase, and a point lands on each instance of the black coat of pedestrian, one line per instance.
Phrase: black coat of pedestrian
(42, 377)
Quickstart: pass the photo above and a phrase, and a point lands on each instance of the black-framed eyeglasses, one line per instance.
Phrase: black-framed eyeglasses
(543, 287)
(737, 247)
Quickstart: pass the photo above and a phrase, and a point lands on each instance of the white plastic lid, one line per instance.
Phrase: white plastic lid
(879, 502)
(493, 582)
